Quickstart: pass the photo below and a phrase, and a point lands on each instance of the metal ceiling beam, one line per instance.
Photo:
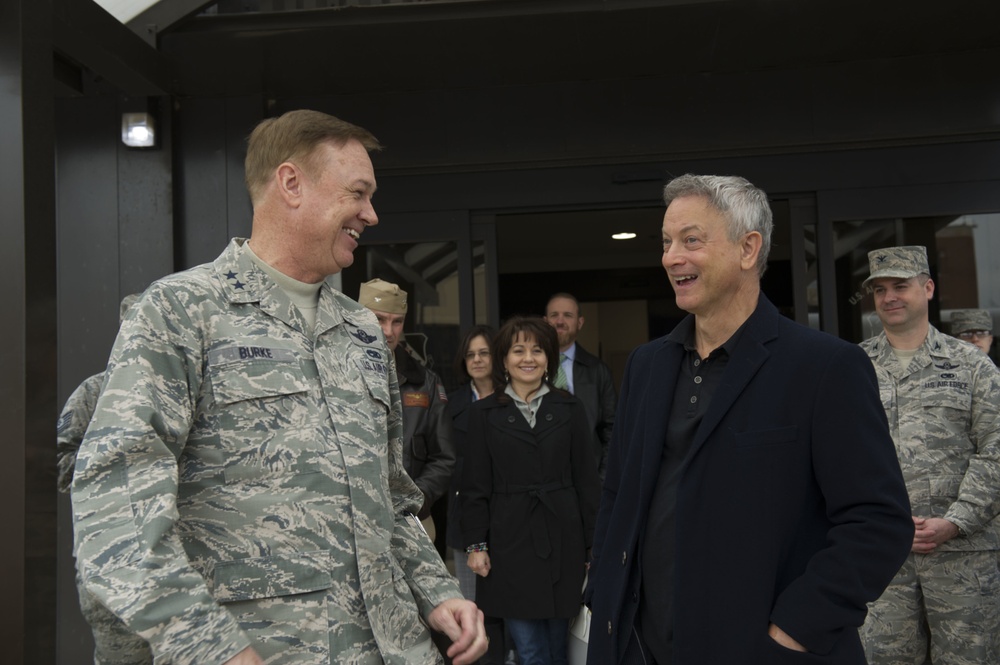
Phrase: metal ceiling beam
(86, 34)
(408, 13)
(159, 16)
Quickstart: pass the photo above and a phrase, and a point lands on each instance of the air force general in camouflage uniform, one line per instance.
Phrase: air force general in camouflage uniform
(240, 495)
(940, 396)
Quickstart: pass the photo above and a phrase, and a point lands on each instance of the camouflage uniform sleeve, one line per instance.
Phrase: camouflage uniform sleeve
(125, 490)
(73, 422)
(978, 501)
(428, 579)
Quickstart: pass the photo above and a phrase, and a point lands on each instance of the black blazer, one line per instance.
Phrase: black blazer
(791, 507)
(459, 403)
(594, 386)
(532, 495)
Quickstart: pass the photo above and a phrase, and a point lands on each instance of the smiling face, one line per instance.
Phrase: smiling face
(335, 207)
(902, 304)
(478, 363)
(563, 314)
(525, 363)
(707, 270)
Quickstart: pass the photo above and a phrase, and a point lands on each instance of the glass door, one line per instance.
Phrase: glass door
(961, 251)
(442, 260)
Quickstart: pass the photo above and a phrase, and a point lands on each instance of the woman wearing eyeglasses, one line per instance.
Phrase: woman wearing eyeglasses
(974, 326)
(474, 365)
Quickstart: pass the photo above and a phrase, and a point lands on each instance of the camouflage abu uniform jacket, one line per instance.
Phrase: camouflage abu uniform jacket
(945, 421)
(73, 422)
(241, 483)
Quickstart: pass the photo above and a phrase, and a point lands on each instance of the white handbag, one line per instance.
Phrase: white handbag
(579, 634)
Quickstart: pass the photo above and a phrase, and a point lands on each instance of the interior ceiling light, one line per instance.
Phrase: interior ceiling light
(623, 236)
(138, 130)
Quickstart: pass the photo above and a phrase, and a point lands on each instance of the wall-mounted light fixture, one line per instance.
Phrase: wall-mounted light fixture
(139, 130)
(625, 235)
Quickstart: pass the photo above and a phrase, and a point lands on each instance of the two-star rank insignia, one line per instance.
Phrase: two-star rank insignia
(234, 278)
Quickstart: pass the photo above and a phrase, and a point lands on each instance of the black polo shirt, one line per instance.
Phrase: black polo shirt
(696, 381)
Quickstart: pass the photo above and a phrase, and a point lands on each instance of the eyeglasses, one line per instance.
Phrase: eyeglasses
(974, 334)
(472, 355)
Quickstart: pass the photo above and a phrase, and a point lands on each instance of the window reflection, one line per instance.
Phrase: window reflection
(428, 272)
(960, 251)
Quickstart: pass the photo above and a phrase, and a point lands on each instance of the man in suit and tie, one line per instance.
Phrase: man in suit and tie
(753, 503)
(583, 374)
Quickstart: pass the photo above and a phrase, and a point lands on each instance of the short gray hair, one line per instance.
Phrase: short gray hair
(744, 206)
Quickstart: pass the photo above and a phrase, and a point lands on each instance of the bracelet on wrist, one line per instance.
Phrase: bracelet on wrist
(478, 547)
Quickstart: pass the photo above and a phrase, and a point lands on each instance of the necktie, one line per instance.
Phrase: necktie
(561, 380)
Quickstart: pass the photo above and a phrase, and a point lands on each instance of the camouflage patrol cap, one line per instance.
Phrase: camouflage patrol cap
(383, 296)
(899, 262)
(970, 319)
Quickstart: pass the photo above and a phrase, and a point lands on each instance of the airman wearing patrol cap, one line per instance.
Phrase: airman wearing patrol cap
(939, 396)
(428, 452)
(898, 262)
(974, 326)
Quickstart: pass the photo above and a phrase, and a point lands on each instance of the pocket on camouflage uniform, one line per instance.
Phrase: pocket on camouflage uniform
(280, 601)
(253, 390)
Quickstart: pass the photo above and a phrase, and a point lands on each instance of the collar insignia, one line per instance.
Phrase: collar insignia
(234, 279)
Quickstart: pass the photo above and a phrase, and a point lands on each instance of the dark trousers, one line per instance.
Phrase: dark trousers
(494, 654)
(443, 643)
(497, 649)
